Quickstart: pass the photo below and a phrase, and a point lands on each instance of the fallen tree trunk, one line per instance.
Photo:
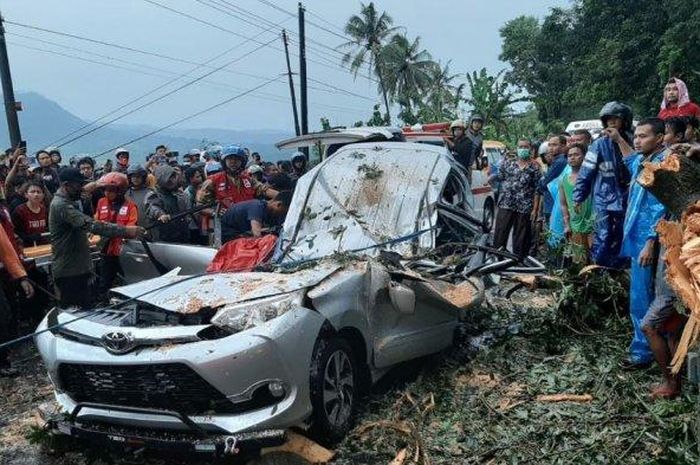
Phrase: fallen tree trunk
(675, 182)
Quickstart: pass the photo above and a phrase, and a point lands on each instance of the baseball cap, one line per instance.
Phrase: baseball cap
(70, 174)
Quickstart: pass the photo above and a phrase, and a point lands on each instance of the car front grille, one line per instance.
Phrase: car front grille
(168, 386)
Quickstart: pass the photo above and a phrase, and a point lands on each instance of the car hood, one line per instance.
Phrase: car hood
(188, 294)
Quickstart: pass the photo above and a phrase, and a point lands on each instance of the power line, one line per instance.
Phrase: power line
(221, 28)
(157, 88)
(167, 94)
(88, 60)
(100, 42)
(329, 23)
(273, 97)
(202, 21)
(194, 115)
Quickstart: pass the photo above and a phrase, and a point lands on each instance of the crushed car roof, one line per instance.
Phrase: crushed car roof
(366, 195)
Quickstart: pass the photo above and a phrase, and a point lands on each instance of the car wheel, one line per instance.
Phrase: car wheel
(488, 215)
(334, 389)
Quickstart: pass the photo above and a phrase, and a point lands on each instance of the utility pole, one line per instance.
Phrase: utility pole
(8, 92)
(291, 83)
(302, 74)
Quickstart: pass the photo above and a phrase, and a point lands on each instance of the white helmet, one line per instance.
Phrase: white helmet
(120, 150)
(458, 123)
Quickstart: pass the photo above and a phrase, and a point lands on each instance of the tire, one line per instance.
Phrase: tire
(334, 389)
(488, 215)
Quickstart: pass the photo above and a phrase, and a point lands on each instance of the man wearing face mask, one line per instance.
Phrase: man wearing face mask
(519, 179)
(72, 267)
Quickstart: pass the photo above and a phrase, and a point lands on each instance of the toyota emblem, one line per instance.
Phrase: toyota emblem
(118, 343)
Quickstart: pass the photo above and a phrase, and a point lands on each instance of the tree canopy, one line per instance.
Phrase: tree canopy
(576, 59)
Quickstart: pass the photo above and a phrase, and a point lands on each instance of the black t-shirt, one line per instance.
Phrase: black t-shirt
(49, 176)
(463, 151)
(236, 220)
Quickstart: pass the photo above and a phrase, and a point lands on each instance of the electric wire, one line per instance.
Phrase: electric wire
(151, 91)
(260, 95)
(194, 115)
(163, 96)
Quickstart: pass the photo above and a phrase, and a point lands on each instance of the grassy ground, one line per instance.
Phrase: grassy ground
(485, 409)
(477, 403)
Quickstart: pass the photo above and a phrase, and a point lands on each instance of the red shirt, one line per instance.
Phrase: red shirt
(30, 226)
(127, 215)
(689, 109)
(229, 192)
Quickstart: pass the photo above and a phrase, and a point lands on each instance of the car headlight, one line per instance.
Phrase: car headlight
(239, 317)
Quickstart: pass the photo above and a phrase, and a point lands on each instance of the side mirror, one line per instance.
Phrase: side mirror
(402, 298)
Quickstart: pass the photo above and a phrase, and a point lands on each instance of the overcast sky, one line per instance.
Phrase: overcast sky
(463, 31)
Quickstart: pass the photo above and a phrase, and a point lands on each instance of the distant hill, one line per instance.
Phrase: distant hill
(43, 121)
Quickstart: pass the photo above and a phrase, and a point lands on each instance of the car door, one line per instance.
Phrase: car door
(407, 318)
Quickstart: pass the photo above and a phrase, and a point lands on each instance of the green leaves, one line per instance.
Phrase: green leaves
(577, 59)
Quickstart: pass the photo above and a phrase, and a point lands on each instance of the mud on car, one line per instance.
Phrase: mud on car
(377, 261)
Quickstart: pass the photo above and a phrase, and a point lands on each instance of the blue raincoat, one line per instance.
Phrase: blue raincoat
(556, 221)
(603, 174)
(643, 213)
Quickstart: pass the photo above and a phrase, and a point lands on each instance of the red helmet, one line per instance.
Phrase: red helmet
(114, 179)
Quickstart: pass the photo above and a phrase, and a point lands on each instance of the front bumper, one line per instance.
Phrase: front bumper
(280, 349)
(194, 441)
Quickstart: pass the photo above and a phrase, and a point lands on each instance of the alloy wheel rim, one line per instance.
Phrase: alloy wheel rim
(338, 388)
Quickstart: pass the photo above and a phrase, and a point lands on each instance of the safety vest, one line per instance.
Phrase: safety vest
(228, 193)
(127, 215)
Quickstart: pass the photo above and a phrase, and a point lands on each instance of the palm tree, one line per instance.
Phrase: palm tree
(442, 100)
(407, 69)
(368, 31)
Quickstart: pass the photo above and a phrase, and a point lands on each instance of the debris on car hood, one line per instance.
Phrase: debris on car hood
(391, 194)
(188, 294)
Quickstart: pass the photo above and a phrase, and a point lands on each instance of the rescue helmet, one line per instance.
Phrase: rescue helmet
(618, 109)
(233, 151)
(114, 179)
(298, 156)
(213, 151)
(252, 169)
(458, 123)
(120, 151)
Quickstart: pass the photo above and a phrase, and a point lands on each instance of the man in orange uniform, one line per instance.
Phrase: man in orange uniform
(11, 262)
(233, 184)
(114, 208)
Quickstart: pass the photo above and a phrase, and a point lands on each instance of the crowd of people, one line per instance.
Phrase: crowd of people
(578, 190)
(583, 194)
(209, 197)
